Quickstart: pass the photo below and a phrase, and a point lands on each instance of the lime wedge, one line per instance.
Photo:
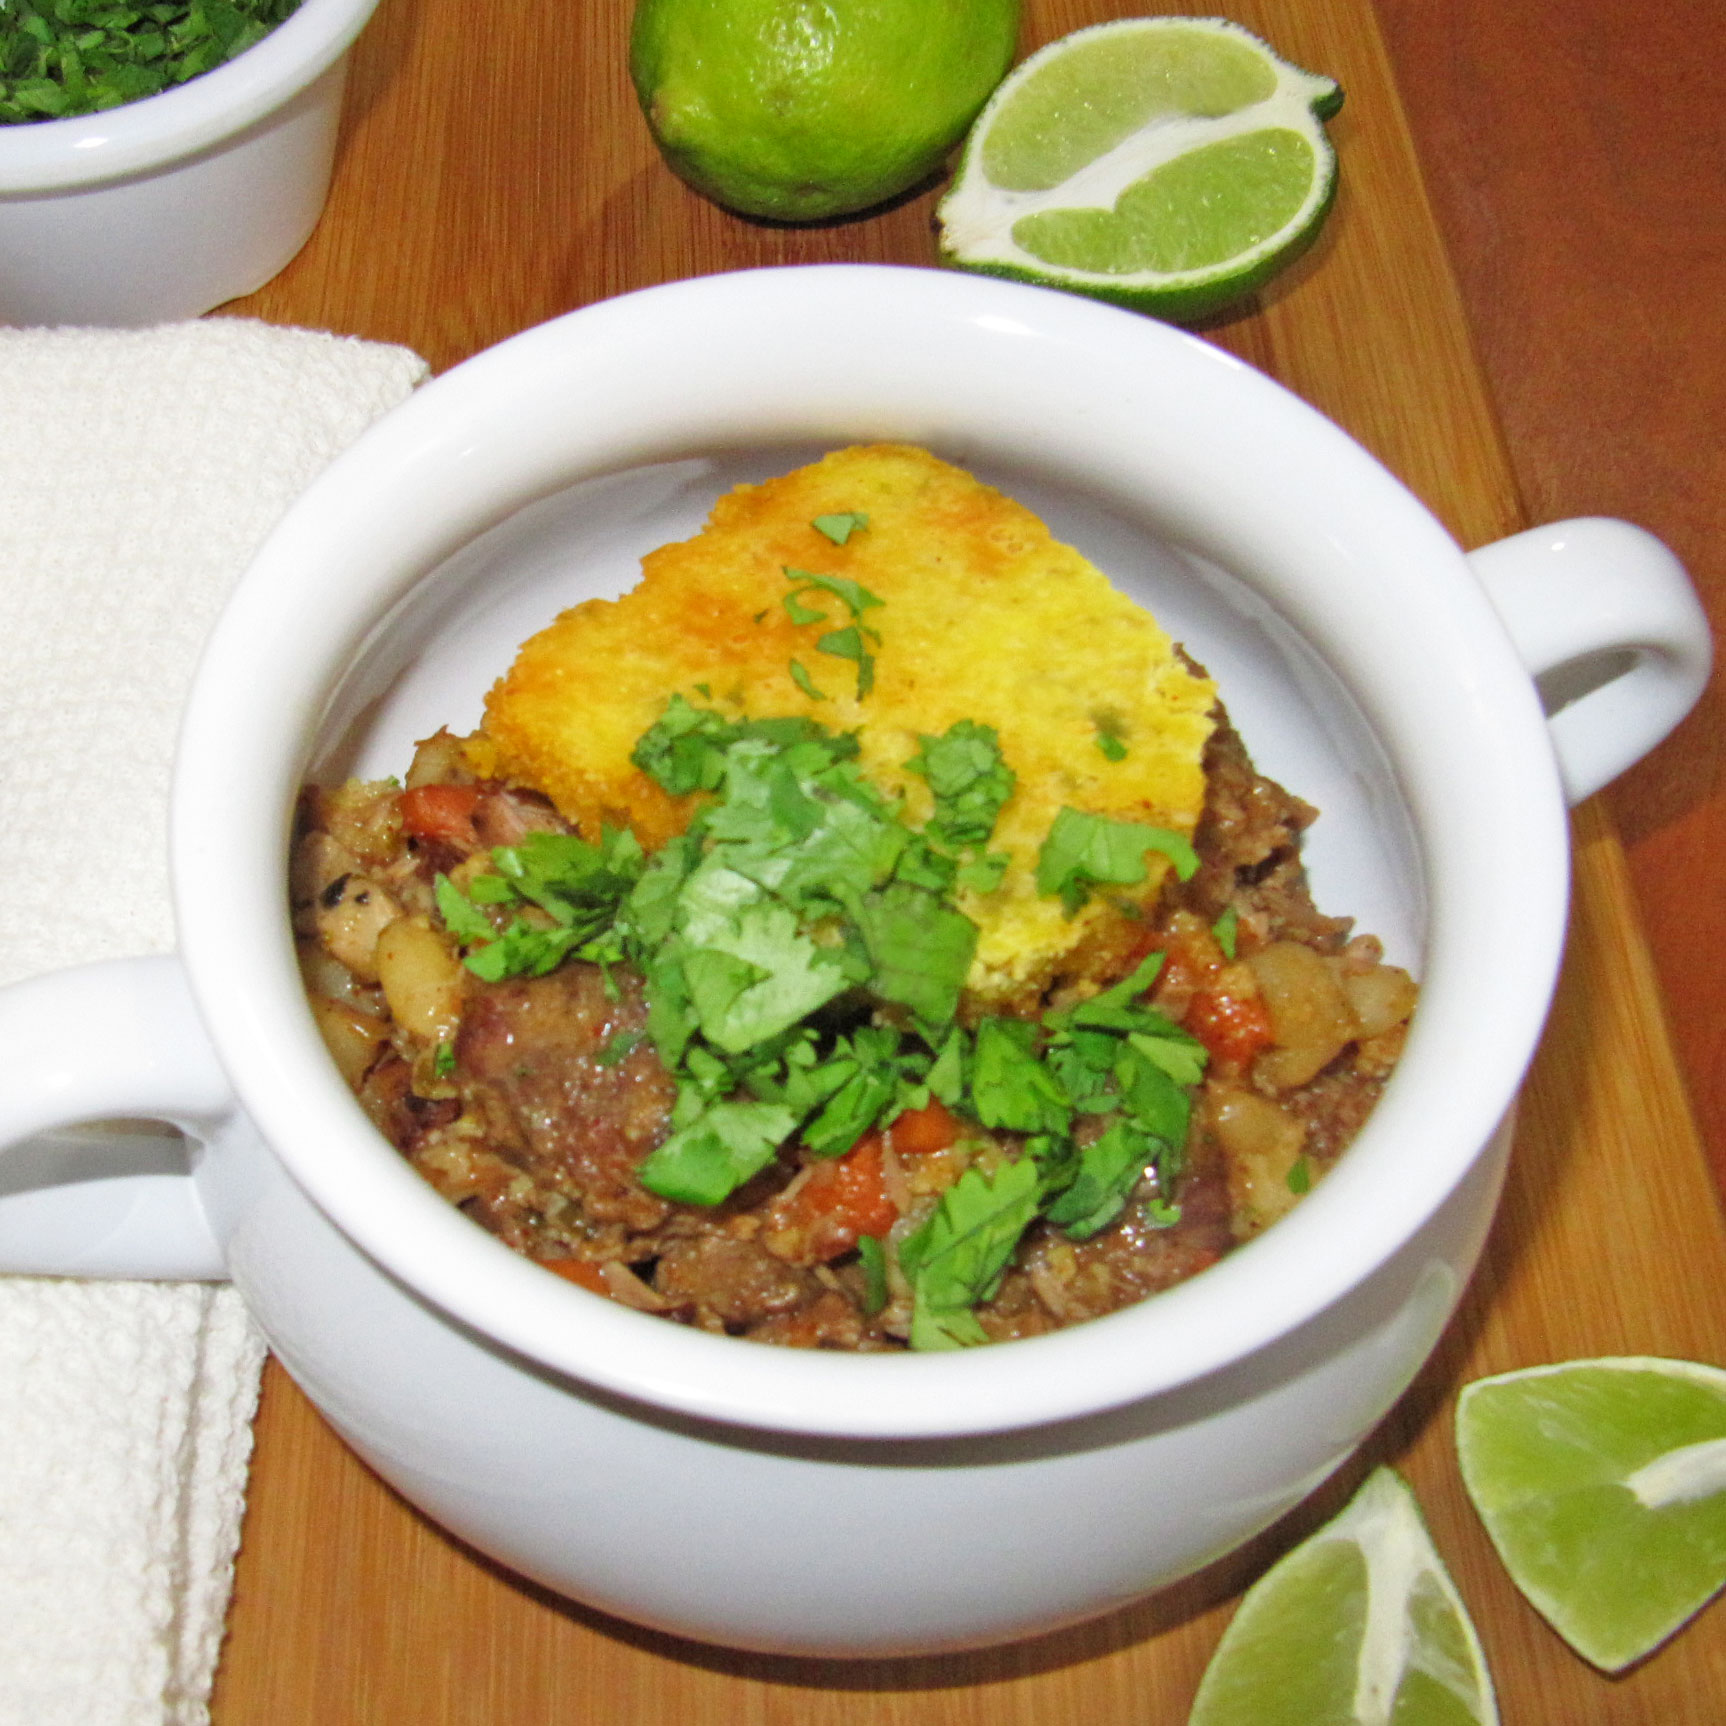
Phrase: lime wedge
(1168, 164)
(1603, 1485)
(1359, 1626)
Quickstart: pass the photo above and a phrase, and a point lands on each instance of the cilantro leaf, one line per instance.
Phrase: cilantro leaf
(799, 613)
(1109, 1168)
(461, 916)
(934, 1328)
(706, 1161)
(848, 643)
(920, 947)
(1149, 1093)
(840, 526)
(578, 886)
(873, 1258)
(576, 883)
(959, 1255)
(983, 874)
(946, 1078)
(750, 971)
(522, 951)
(1084, 850)
(870, 1073)
(1111, 736)
(1011, 1088)
(619, 1046)
(684, 750)
(853, 595)
(1113, 1009)
(1162, 1042)
(969, 780)
(1225, 930)
(648, 912)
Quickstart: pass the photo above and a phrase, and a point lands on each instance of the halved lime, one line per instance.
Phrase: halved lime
(1603, 1485)
(1359, 1626)
(1168, 164)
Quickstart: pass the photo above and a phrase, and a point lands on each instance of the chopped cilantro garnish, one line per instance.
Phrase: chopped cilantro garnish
(1160, 1214)
(969, 781)
(618, 1047)
(443, 1059)
(491, 890)
(462, 917)
(841, 526)
(729, 1143)
(1011, 1088)
(868, 1075)
(982, 874)
(798, 612)
(64, 57)
(851, 642)
(577, 884)
(872, 1256)
(1300, 1176)
(685, 750)
(958, 1257)
(1109, 1168)
(921, 949)
(1111, 739)
(1083, 851)
(575, 890)
(1225, 930)
(947, 1077)
(753, 973)
(855, 597)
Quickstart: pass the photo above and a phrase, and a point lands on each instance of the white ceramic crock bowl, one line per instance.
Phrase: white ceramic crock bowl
(860, 1505)
(164, 208)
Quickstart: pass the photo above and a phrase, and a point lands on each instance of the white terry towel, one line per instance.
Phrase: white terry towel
(139, 470)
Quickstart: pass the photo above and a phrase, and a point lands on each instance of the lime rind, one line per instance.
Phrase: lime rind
(1360, 1624)
(985, 227)
(1602, 1485)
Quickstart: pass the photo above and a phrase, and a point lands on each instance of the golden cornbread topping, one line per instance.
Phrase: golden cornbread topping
(973, 612)
(867, 932)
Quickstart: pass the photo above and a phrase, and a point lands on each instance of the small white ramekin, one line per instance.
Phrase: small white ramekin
(164, 208)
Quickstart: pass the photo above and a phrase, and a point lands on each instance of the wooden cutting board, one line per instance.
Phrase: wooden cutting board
(497, 173)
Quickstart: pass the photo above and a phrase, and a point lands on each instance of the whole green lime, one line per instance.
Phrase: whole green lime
(800, 110)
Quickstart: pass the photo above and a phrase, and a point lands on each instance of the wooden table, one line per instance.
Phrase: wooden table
(496, 173)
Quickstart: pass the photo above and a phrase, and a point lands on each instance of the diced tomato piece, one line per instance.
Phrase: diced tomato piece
(1234, 1028)
(441, 812)
(844, 1197)
(920, 1131)
(578, 1271)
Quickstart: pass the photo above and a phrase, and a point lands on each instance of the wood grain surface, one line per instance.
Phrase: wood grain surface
(492, 177)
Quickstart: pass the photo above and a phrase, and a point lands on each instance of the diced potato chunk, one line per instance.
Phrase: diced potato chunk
(1262, 1143)
(1309, 1011)
(421, 979)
